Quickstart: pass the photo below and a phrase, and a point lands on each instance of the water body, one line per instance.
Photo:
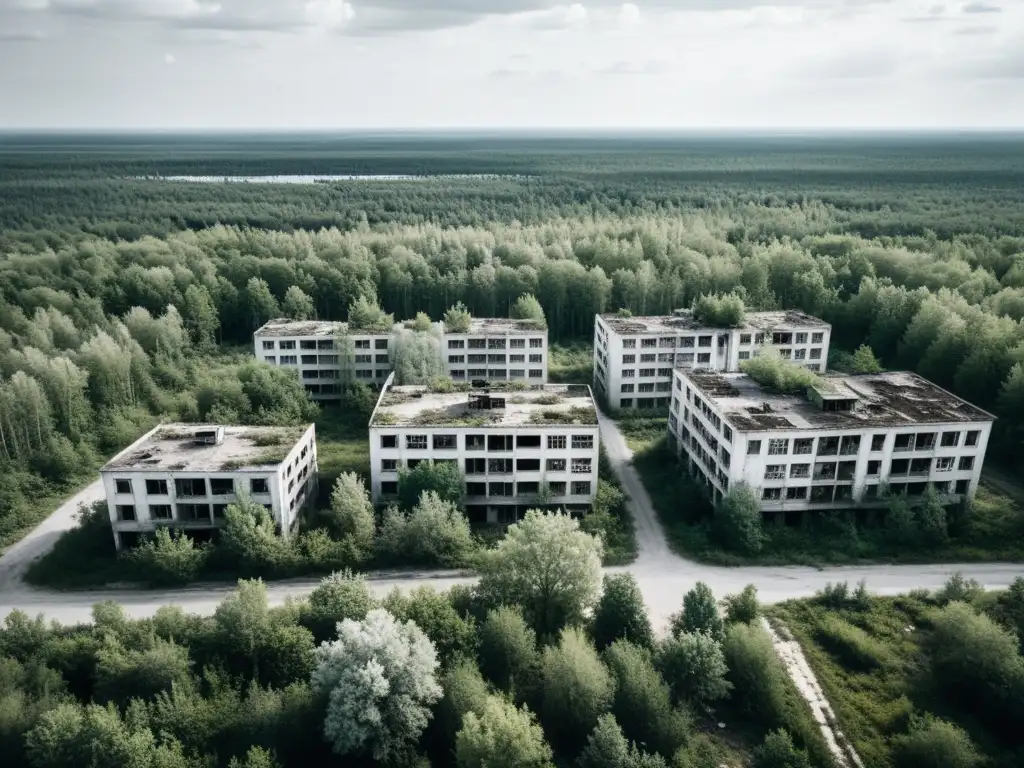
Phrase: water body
(324, 179)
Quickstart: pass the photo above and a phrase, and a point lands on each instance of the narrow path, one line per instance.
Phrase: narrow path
(652, 547)
(17, 557)
(803, 677)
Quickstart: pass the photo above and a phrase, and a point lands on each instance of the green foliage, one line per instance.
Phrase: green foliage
(444, 479)
(342, 595)
(351, 514)
(546, 565)
(365, 316)
(770, 370)
(435, 533)
(778, 751)
(693, 665)
(606, 746)
(737, 520)
(457, 319)
(465, 691)
(960, 590)
(297, 305)
(854, 647)
(501, 736)
(742, 608)
(451, 634)
(508, 652)
(862, 360)
(642, 701)
(935, 743)
(755, 672)
(168, 559)
(699, 613)
(422, 323)
(720, 311)
(528, 308)
(621, 614)
(576, 689)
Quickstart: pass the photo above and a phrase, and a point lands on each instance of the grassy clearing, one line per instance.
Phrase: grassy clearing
(873, 662)
(571, 363)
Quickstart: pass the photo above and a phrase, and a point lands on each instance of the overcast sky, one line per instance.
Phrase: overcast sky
(511, 63)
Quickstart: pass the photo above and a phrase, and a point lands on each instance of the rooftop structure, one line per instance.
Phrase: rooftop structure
(634, 356)
(838, 402)
(503, 325)
(282, 326)
(517, 447)
(498, 405)
(836, 445)
(184, 476)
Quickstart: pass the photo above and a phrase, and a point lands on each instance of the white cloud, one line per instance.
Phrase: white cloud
(629, 13)
(328, 14)
(169, 59)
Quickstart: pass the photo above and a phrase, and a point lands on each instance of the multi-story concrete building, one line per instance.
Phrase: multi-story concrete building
(325, 353)
(517, 448)
(840, 445)
(317, 350)
(184, 476)
(497, 349)
(634, 356)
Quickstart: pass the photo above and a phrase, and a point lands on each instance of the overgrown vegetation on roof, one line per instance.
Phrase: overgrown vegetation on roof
(720, 310)
(457, 319)
(771, 371)
(575, 415)
(365, 316)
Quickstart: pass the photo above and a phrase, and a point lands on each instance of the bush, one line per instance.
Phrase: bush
(451, 634)
(769, 370)
(934, 743)
(351, 514)
(465, 691)
(642, 703)
(528, 308)
(737, 521)
(436, 533)
(508, 652)
(621, 614)
(693, 665)
(576, 689)
(699, 614)
(777, 751)
(852, 646)
(342, 595)
(720, 311)
(444, 480)
(959, 590)
(501, 736)
(168, 559)
(755, 672)
(457, 319)
(742, 608)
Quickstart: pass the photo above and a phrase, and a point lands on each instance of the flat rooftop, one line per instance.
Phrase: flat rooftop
(499, 325)
(174, 447)
(683, 321)
(884, 400)
(552, 404)
(285, 327)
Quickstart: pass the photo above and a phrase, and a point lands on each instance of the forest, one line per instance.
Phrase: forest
(125, 300)
(518, 671)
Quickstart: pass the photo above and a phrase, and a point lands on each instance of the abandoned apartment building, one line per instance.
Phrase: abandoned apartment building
(839, 446)
(517, 448)
(184, 476)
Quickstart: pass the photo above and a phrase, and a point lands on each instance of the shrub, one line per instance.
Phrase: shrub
(693, 665)
(501, 736)
(769, 370)
(720, 311)
(365, 315)
(737, 521)
(834, 596)
(854, 647)
(431, 611)
(642, 702)
(342, 595)
(699, 614)
(168, 559)
(444, 480)
(436, 533)
(755, 672)
(606, 746)
(576, 689)
(508, 652)
(742, 608)
(457, 319)
(528, 308)
(351, 513)
(621, 614)
(777, 751)
(934, 743)
(959, 590)
(465, 691)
